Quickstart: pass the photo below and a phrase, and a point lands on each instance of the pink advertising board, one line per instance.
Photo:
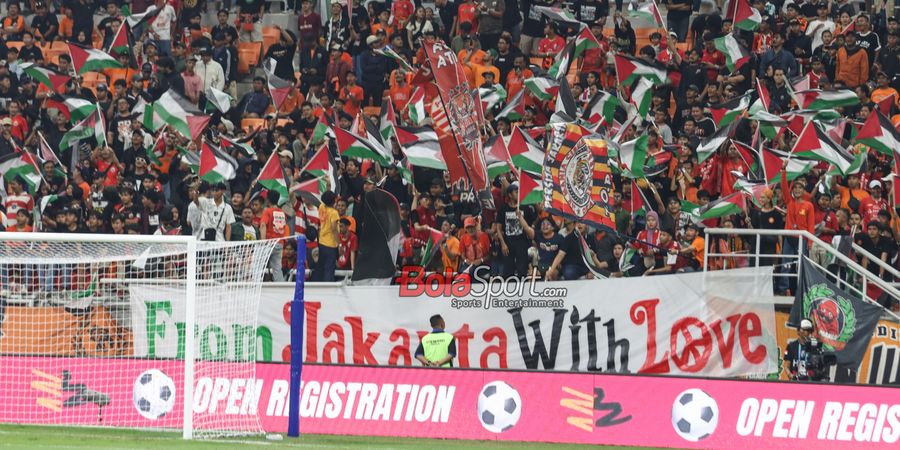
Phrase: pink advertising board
(470, 404)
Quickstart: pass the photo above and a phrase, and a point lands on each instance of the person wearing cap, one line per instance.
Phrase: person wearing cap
(852, 63)
(870, 206)
(475, 246)
(819, 25)
(797, 352)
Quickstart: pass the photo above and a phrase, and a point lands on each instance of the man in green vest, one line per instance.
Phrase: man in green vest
(437, 348)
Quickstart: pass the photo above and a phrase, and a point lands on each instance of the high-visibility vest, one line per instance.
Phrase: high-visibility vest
(436, 346)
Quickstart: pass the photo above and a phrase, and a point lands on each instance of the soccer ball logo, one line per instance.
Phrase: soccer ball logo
(499, 406)
(695, 415)
(154, 394)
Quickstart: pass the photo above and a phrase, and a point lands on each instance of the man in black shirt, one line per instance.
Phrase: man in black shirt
(283, 54)
(679, 17)
(867, 39)
(30, 52)
(44, 25)
(508, 227)
(506, 58)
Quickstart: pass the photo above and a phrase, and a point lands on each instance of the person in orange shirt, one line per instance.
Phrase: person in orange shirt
(467, 12)
(382, 24)
(474, 245)
(451, 249)
(486, 66)
(471, 54)
(515, 80)
(352, 95)
(13, 24)
(401, 91)
(884, 90)
(800, 217)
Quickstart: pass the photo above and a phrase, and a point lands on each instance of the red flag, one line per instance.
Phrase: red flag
(458, 104)
(886, 104)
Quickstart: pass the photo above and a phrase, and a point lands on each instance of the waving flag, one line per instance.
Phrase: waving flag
(218, 99)
(279, 88)
(499, 160)
(120, 43)
(416, 107)
(272, 176)
(601, 107)
(352, 145)
(648, 12)
(708, 146)
(813, 143)
(92, 125)
(725, 113)
(880, 134)
(47, 153)
(23, 166)
(543, 88)
(321, 166)
(515, 107)
(86, 59)
(524, 152)
(421, 147)
(52, 79)
(585, 40)
(633, 156)
(564, 59)
(745, 16)
(818, 99)
(735, 54)
(725, 206)
(178, 112)
(215, 165)
(387, 121)
(629, 68)
(390, 53)
(642, 97)
(531, 189)
(556, 14)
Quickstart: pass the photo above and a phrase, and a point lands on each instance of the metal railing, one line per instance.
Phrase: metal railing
(850, 275)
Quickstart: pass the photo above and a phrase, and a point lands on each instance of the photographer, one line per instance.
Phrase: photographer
(805, 357)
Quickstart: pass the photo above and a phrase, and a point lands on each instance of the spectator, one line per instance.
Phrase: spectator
(274, 224)
(328, 239)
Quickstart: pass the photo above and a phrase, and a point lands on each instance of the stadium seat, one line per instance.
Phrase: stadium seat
(51, 52)
(270, 35)
(15, 44)
(248, 56)
(283, 122)
(92, 79)
(372, 111)
(248, 125)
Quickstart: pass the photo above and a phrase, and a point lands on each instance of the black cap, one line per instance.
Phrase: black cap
(147, 67)
(220, 185)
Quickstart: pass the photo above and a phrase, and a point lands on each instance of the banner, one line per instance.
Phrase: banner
(577, 408)
(843, 322)
(459, 117)
(578, 181)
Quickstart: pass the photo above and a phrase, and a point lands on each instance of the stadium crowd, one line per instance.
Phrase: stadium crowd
(143, 179)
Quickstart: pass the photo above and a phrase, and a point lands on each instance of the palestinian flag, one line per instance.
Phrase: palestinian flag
(22, 165)
(178, 112)
(50, 78)
(633, 156)
(75, 108)
(387, 121)
(421, 147)
(769, 124)
(725, 206)
(817, 99)
(489, 97)
(524, 152)
(642, 96)
(218, 99)
(771, 164)
(813, 143)
(886, 105)
(497, 156)
(390, 53)
(322, 167)
(585, 40)
(747, 153)
(557, 14)
(601, 107)
(416, 107)
(216, 165)
(752, 189)
(120, 42)
(531, 189)
(763, 99)
(272, 176)
(735, 54)
(86, 59)
(239, 144)
(564, 59)
(725, 113)
(648, 12)
(797, 119)
(322, 131)
(566, 107)
(135, 20)
(796, 167)
(432, 246)
(373, 135)
(515, 107)
(542, 87)
(47, 153)
(191, 158)
(92, 125)
(708, 146)
(629, 68)
(658, 163)
(635, 204)
(880, 134)
(279, 88)
(309, 190)
(745, 16)
(158, 149)
(354, 146)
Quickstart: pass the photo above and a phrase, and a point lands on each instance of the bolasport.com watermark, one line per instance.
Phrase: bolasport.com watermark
(479, 289)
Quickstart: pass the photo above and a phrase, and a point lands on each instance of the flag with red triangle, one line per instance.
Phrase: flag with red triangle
(279, 88)
(86, 59)
(272, 176)
(52, 79)
(215, 165)
(321, 166)
(813, 143)
(352, 145)
(880, 134)
(743, 15)
(531, 189)
(120, 43)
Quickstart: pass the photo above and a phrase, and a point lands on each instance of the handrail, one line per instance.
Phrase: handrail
(884, 285)
(887, 267)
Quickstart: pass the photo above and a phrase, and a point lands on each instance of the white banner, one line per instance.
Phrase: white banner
(718, 324)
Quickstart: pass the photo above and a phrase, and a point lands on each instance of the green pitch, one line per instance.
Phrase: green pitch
(40, 437)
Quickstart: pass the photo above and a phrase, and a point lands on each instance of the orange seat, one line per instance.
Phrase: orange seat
(249, 124)
(270, 35)
(15, 44)
(283, 122)
(372, 111)
(248, 56)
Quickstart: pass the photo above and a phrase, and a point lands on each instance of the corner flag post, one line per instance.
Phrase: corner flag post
(297, 321)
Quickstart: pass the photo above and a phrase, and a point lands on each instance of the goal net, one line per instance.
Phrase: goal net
(134, 331)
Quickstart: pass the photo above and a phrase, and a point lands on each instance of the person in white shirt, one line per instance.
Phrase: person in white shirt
(210, 213)
(161, 26)
(210, 71)
(819, 25)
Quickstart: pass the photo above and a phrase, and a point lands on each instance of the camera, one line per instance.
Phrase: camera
(818, 360)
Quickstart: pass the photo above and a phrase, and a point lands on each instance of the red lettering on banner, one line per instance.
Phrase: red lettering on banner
(411, 286)
(362, 351)
(750, 326)
(400, 351)
(499, 349)
(463, 335)
(336, 346)
(726, 345)
(645, 311)
(312, 328)
(690, 351)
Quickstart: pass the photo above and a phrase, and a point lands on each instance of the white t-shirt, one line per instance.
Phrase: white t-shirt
(211, 216)
(162, 24)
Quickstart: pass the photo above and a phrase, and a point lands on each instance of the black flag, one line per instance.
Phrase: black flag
(378, 228)
(844, 323)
